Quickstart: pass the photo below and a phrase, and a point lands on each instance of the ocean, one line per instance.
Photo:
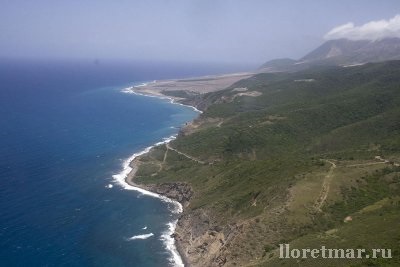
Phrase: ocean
(66, 131)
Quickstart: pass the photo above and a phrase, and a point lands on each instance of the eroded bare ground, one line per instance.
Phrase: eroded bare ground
(207, 243)
(203, 123)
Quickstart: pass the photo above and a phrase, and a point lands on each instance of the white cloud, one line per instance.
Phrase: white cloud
(373, 30)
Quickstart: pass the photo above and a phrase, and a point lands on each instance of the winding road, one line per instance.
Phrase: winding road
(183, 154)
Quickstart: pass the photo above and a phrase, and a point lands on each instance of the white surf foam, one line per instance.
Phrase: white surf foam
(145, 236)
(144, 228)
(127, 90)
(169, 243)
(120, 177)
(131, 90)
(175, 206)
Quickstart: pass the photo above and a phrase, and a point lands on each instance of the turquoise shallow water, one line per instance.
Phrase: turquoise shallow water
(62, 138)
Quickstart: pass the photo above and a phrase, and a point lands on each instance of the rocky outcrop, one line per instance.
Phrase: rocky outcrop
(201, 241)
(180, 192)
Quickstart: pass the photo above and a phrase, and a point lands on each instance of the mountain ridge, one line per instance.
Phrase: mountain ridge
(339, 52)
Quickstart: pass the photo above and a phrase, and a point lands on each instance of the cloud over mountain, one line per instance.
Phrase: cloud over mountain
(373, 30)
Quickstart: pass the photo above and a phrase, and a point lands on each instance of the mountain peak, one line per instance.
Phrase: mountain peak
(335, 48)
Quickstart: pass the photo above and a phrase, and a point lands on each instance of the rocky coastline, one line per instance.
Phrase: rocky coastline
(199, 239)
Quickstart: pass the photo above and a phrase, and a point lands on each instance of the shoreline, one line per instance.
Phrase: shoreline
(197, 85)
(172, 100)
(126, 179)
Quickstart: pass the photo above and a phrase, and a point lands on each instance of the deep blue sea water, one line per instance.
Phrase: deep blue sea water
(65, 129)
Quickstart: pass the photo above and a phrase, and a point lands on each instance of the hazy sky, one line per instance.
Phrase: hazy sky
(250, 31)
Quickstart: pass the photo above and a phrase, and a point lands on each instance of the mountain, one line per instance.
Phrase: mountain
(344, 51)
(341, 52)
(334, 49)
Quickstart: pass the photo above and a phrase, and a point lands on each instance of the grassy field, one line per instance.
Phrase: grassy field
(290, 162)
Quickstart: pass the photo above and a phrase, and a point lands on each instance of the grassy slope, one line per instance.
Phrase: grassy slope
(266, 166)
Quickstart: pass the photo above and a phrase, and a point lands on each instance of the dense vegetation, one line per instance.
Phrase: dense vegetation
(264, 159)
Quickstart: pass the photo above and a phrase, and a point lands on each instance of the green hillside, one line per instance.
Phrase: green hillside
(285, 158)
